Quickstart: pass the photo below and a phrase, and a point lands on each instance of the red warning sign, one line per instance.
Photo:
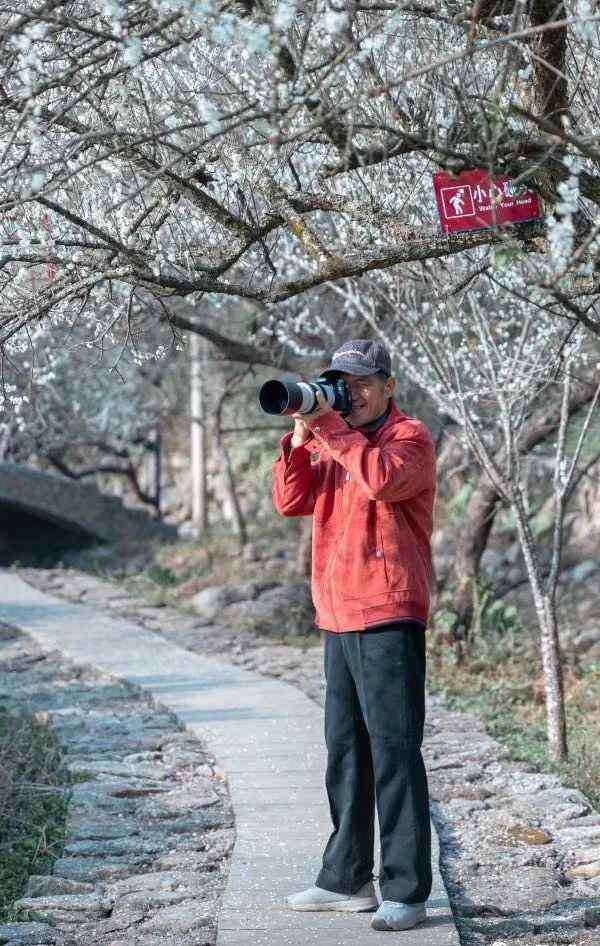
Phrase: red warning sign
(472, 200)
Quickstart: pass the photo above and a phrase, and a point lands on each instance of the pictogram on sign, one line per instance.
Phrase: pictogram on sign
(472, 200)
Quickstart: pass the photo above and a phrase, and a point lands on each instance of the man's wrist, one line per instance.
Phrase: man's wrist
(331, 420)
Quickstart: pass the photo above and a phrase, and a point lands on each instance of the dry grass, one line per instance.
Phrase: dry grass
(501, 681)
(32, 811)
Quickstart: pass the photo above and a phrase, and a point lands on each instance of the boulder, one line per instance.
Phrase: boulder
(496, 894)
(30, 934)
(592, 917)
(210, 602)
(582, 571)
(492, 561)
(584, 870)
(282, 610)
(42, 885)
(587, 642)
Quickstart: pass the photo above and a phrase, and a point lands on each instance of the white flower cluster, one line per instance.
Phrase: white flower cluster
(584, 27)
(114, 11)
(560, 223)
(284, 14)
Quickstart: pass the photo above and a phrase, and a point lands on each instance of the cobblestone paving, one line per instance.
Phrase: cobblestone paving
(520, 852)
(150, 826)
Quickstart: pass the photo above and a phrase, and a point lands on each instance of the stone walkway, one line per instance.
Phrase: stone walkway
(267, 736)
(520, 852)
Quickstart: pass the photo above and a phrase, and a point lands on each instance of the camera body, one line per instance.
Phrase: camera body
(290, 397)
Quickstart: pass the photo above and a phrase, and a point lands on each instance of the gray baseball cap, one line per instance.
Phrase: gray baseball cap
(361, 356)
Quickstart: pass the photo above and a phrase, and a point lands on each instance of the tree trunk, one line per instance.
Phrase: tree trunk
(239, 522)
(549, 92)
(479, 517)
(556, 723)
(482, 509)
(549, 643)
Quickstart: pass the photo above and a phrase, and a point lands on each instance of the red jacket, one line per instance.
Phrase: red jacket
(371, 497)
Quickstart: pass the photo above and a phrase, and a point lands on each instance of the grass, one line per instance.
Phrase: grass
(32, 810)
(500, 680)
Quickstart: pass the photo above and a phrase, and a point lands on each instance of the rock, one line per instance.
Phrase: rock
(524, 834)
(128, 770)
(40, 885)
(251, 552)
(180, 919)
(90, 868)
(285, 609)
(154, 898)
(574, 835)
(532, 782)
(591, 917)
(99, 796)
(584, 870)
(114, 847)
(156, 881)
(210, 602)
(200, 795)
(591, 819)
(492, 561)
(582, 571)
(29, 934)
(462, 808)
(444, 764)
(446, 793)
(528, 888)
(121, 920)
(587, 641)
(136, 791)
(55, 908)
(95, 829)
(585, 855)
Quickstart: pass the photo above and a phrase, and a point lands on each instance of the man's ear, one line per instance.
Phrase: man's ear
(390, 386)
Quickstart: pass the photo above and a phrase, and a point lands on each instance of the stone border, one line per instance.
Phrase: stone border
(520, 853)
(150, 824)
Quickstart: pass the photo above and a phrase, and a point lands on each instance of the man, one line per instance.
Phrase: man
(369, 483)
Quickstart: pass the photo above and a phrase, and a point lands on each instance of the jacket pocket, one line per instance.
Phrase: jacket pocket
(363, 574)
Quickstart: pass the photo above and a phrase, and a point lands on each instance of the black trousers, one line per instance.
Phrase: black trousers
(374, 716)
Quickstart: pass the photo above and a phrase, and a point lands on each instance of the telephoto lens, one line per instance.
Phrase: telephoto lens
(290, 397)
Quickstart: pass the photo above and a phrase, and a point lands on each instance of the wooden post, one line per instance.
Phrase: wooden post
(198, 433)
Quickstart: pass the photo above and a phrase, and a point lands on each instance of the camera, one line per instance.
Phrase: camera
(289, 397)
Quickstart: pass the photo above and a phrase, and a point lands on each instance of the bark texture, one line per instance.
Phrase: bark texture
(549, 91)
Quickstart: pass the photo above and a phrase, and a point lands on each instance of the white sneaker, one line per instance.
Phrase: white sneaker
(398, 916)
(315, 898)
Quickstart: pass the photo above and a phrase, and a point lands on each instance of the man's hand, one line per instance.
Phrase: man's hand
(302, 431)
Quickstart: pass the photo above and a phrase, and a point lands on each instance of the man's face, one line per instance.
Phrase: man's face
(370, 397)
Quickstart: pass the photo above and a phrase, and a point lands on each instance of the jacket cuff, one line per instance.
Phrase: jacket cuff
(329, 426)
(287, 451)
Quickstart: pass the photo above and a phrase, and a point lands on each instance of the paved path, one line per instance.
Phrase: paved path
(267, 736)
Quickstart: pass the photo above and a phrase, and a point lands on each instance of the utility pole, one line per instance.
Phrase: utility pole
(198, 433)
(157, 468)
